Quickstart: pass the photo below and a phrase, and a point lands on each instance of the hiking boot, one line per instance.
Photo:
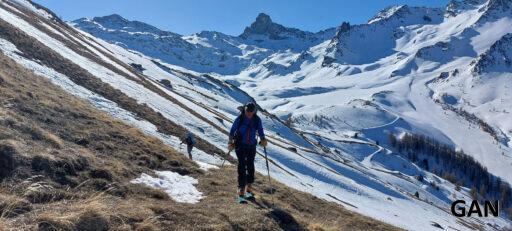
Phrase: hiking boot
(249, 196)
(242, 200)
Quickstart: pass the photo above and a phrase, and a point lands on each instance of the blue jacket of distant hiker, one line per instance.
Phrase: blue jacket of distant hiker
(244, 132)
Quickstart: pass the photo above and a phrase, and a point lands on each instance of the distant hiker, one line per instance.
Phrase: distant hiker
(189, 140)
(242, 138)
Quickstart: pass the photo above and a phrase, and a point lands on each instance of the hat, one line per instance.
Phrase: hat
(250, 107)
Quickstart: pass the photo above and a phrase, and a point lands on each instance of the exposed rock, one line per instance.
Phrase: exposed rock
(345, 26)
(498, 58)
(451, 9)
(328, 61)
(443, 75)
(166, 83)
(499, 5)
(137, 67)
(264, 26)
(407, 15)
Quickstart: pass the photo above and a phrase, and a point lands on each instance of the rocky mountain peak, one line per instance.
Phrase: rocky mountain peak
(342, 29)
(497, 59)
(403, 15)
(345, 26)
(500, 4)
(454, 7)
(118, 23)
(263, 20)
(389, 12)
(263, 25)
(110, 18)
(494, 10)
(451, 9)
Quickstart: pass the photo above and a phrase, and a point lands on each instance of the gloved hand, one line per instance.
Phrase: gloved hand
(263, 142)
(231, 146)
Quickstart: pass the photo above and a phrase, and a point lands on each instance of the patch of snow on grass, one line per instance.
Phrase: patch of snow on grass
(206, 166)
(180, 188)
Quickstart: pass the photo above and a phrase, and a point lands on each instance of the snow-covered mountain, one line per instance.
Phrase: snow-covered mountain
(497, 59)
(165, 45)
(207, 51)
(330, 100)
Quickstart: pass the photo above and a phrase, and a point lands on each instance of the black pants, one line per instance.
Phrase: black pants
(189, 151)
(245, 155)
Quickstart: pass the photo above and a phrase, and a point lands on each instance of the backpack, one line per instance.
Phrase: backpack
(188, 141)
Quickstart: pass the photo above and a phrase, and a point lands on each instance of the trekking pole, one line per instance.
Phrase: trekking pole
(224, 161)
(268, 174)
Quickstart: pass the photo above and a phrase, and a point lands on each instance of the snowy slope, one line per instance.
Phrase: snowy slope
(396, 89)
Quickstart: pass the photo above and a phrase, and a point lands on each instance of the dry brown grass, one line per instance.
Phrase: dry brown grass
(294, 209)
(317, 227)
(54, 140)
(3, 225)
(12, 206)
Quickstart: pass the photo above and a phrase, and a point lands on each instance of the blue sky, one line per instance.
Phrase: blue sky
(230, 16)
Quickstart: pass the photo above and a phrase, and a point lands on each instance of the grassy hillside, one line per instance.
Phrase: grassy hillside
(65, 165)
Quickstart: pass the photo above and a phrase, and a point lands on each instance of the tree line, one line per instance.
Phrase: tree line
(455, 166)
